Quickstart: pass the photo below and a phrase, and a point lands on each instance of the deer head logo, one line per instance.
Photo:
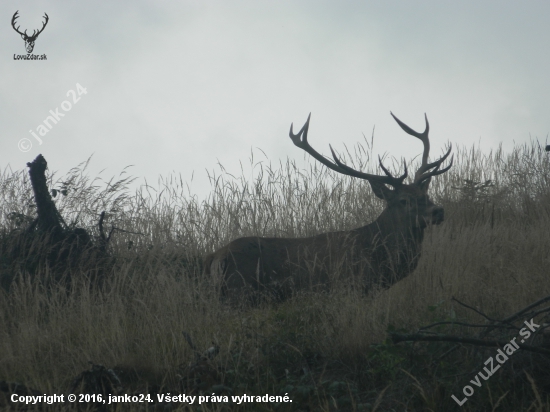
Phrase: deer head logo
(29, 40)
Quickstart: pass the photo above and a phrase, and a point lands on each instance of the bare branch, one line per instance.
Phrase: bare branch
(418, 337)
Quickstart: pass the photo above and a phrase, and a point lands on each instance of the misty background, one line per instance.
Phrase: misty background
(181, 87)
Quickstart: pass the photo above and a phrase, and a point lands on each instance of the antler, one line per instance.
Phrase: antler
(43, 26)
(15, 16)
(300, 140)
(34, 33)
(424, 171)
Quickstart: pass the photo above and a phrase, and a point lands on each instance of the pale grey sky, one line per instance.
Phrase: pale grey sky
(178, 86)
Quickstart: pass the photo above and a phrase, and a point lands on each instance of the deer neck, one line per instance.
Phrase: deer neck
(394, 247)
(391, 229)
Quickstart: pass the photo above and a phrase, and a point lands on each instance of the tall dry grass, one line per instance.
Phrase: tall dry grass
(492, 252)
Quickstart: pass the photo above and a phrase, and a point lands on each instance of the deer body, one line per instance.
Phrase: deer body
(378, 254)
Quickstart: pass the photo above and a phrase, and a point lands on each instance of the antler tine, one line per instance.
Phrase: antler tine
(35, 33)
(388, 179)
(43, 24)
(422, 172)
(300, 140)
(387, 172)
(419, 177)
(423, 137)
(15, 17)
(435, 172)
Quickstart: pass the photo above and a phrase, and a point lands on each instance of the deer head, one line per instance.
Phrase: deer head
(408, 205)
(29, 40)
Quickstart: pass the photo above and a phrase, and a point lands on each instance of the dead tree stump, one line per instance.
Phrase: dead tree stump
(48, 243)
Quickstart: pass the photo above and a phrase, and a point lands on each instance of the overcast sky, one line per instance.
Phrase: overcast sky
(175, 87)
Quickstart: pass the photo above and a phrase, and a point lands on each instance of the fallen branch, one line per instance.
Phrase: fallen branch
(418, 337)
(529, 312)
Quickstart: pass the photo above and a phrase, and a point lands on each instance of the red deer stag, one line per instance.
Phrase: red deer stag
(380, 253)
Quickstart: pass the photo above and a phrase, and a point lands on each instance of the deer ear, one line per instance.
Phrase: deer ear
(381, 190)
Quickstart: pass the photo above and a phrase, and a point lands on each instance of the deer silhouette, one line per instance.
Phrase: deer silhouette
(380, 253)
(29, 40)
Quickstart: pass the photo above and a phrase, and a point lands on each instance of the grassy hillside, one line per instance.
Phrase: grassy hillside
(326, 351)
